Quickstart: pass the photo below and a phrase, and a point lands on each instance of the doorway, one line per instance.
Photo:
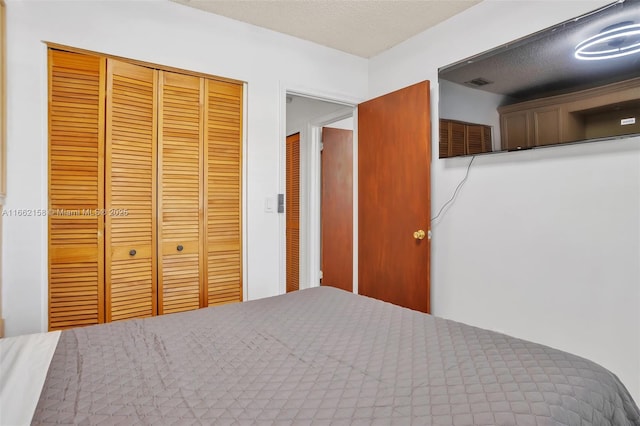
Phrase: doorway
(307, 118)
(391, 196)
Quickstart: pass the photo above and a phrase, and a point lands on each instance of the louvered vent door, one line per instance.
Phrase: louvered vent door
(223, 163)
(130, 191)
(444, 139)
(457, 138)
(180, 197)
(76, 173)
(475, 139)
(486, 139)
(293, 212)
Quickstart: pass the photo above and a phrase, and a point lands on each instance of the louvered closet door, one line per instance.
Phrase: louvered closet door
(180, 192)
(223, 162)
(293, 212)
(76, 173)
(130, 191)
(457, 137)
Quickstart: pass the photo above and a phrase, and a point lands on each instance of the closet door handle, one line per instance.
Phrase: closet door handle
(132, 252)
(179, 248)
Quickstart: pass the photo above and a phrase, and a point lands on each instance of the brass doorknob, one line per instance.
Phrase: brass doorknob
(419, 234)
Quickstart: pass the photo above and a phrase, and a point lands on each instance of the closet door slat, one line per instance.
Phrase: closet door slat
(293, 212)
(76, 173)
(131, 284)
(180, 195)
(223, 175)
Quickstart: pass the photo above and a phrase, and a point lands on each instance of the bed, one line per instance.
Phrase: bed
(319, 356)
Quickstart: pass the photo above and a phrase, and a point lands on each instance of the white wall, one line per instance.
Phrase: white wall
(302, 110)
(458, 102)
(543, 244)
(346, 124)
(164, 33)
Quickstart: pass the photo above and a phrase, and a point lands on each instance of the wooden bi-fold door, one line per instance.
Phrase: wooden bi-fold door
(76, 189)
(180, 207)
(130, 191)
(293, 212)
(145, 190)
(223, 192)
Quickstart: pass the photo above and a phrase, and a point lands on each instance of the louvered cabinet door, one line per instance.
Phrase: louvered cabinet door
(180, 194)
(130, 191)
(293, 212)
(444, 139)
(223, 159)
(474, 139)
(457, 139)
(76, 173)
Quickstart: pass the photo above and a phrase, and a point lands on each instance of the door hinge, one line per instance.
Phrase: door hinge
(280, 203)
(320, 275)
(321, 146)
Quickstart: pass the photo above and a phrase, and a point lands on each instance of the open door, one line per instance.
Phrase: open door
(337, 208)
(394, 196)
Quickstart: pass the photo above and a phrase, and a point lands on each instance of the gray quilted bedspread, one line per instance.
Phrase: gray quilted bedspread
(320, 356)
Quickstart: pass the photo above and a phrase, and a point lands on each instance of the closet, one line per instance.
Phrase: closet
(144, 190)
(460, 138)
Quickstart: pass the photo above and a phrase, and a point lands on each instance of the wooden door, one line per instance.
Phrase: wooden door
(130, 191)
(292, 197)
(478, 139)
(547, 126)
(337, 208)
(453, 138)
(515, 130)
(180, 195)
(76, 192)
(223, 192)
(394, 197)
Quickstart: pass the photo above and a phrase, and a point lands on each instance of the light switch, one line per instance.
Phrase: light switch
(269, 204)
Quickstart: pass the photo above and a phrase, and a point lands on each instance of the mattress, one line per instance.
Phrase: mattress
(320, 356)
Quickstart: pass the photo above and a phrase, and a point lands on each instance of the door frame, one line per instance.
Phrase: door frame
(310, 180)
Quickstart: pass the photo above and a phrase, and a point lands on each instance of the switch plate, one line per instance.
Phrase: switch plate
(268, 205)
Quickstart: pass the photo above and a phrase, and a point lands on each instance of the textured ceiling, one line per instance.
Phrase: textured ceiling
(361, 27)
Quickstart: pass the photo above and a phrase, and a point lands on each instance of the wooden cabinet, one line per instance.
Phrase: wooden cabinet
(529, 128)
(460, 138)
(570, 117)
(515, 130)
(547, 126)
(144, 190)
